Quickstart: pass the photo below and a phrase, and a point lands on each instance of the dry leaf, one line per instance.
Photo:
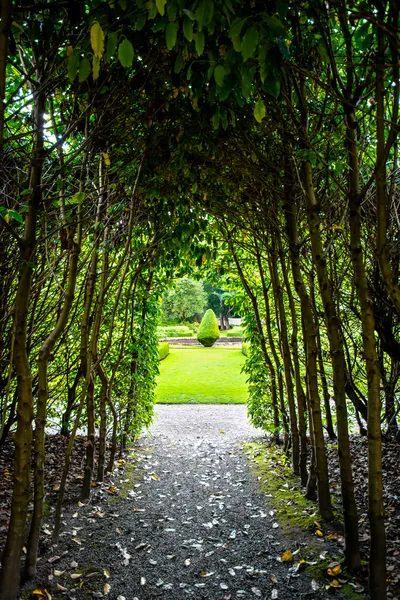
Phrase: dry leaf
(106, 590)
(319, 533)
(315, 585)
(334, 569)
(274, 594)
(287, 555)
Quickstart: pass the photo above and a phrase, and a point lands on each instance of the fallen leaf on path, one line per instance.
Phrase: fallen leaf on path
(287, 555)
(106, 589)
(41, 593)
(274, 594)
(314, 585)
(334, 569)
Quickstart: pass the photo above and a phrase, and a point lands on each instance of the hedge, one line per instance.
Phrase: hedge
(163, 350)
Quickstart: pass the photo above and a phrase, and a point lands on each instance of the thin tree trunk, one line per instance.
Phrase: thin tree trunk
(5, 28)
(10, 572)
(309, 326)
(377, 561)
(274, 395)
(287, 362)
(43, 393)
(324, 383)
(301, 399)
(254, 303)
(352, 551)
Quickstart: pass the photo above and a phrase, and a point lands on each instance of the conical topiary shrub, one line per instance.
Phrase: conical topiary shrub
(208, 331)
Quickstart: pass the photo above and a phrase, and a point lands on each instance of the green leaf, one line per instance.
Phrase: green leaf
(15, 215)
(97, 39)
(190, 14)
(219, 75)
(200, 42)
(141, 21)
(237, 43)
(204, 13)
(249, 43)
(72, 67)
(112, 41)
(276, 26)
(84, 69)
(215, 120)
(188, 29)
(282, 8)
(171, 33)
(178, 63)
(259, 110)
(237, 26)
(272, 84)
(95, 67)
(161, 6)
(126, 53)
(78, 198)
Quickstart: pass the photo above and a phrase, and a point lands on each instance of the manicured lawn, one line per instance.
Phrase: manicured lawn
(202, 375)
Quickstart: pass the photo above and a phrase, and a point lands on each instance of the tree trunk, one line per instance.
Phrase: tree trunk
(103, 422)
(274, 395)
(352, 551)
(90, 441)
(10, 573)
(309, 326)
(287, 362)
(301, 399)
(5, 28)
(43, 392)
(324, 383)
(377, 561)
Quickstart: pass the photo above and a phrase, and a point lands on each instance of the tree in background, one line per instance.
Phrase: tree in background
(219, 301)
(186, 300)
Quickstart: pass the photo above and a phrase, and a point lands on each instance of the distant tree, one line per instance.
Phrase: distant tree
(218, 300)
(185, 300)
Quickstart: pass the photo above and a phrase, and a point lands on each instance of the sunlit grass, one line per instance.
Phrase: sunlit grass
(202, 376)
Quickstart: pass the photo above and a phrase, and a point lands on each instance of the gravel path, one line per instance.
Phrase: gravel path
(193, 525)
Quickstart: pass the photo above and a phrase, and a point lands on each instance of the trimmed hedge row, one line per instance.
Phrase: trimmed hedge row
(174, 331)
(163, 350)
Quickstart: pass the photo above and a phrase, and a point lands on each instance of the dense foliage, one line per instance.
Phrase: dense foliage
(137, 139)
(208, 332)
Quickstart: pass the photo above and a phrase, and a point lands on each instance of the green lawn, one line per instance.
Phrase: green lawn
(203, 376)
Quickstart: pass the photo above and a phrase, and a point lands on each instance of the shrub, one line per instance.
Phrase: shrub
(245, 348)
(163, 350)
(208, 331)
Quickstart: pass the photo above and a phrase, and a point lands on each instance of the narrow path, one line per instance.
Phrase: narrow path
(193, 525)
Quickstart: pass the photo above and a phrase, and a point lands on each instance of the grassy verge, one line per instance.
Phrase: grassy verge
(298, 518)
(197, 375)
